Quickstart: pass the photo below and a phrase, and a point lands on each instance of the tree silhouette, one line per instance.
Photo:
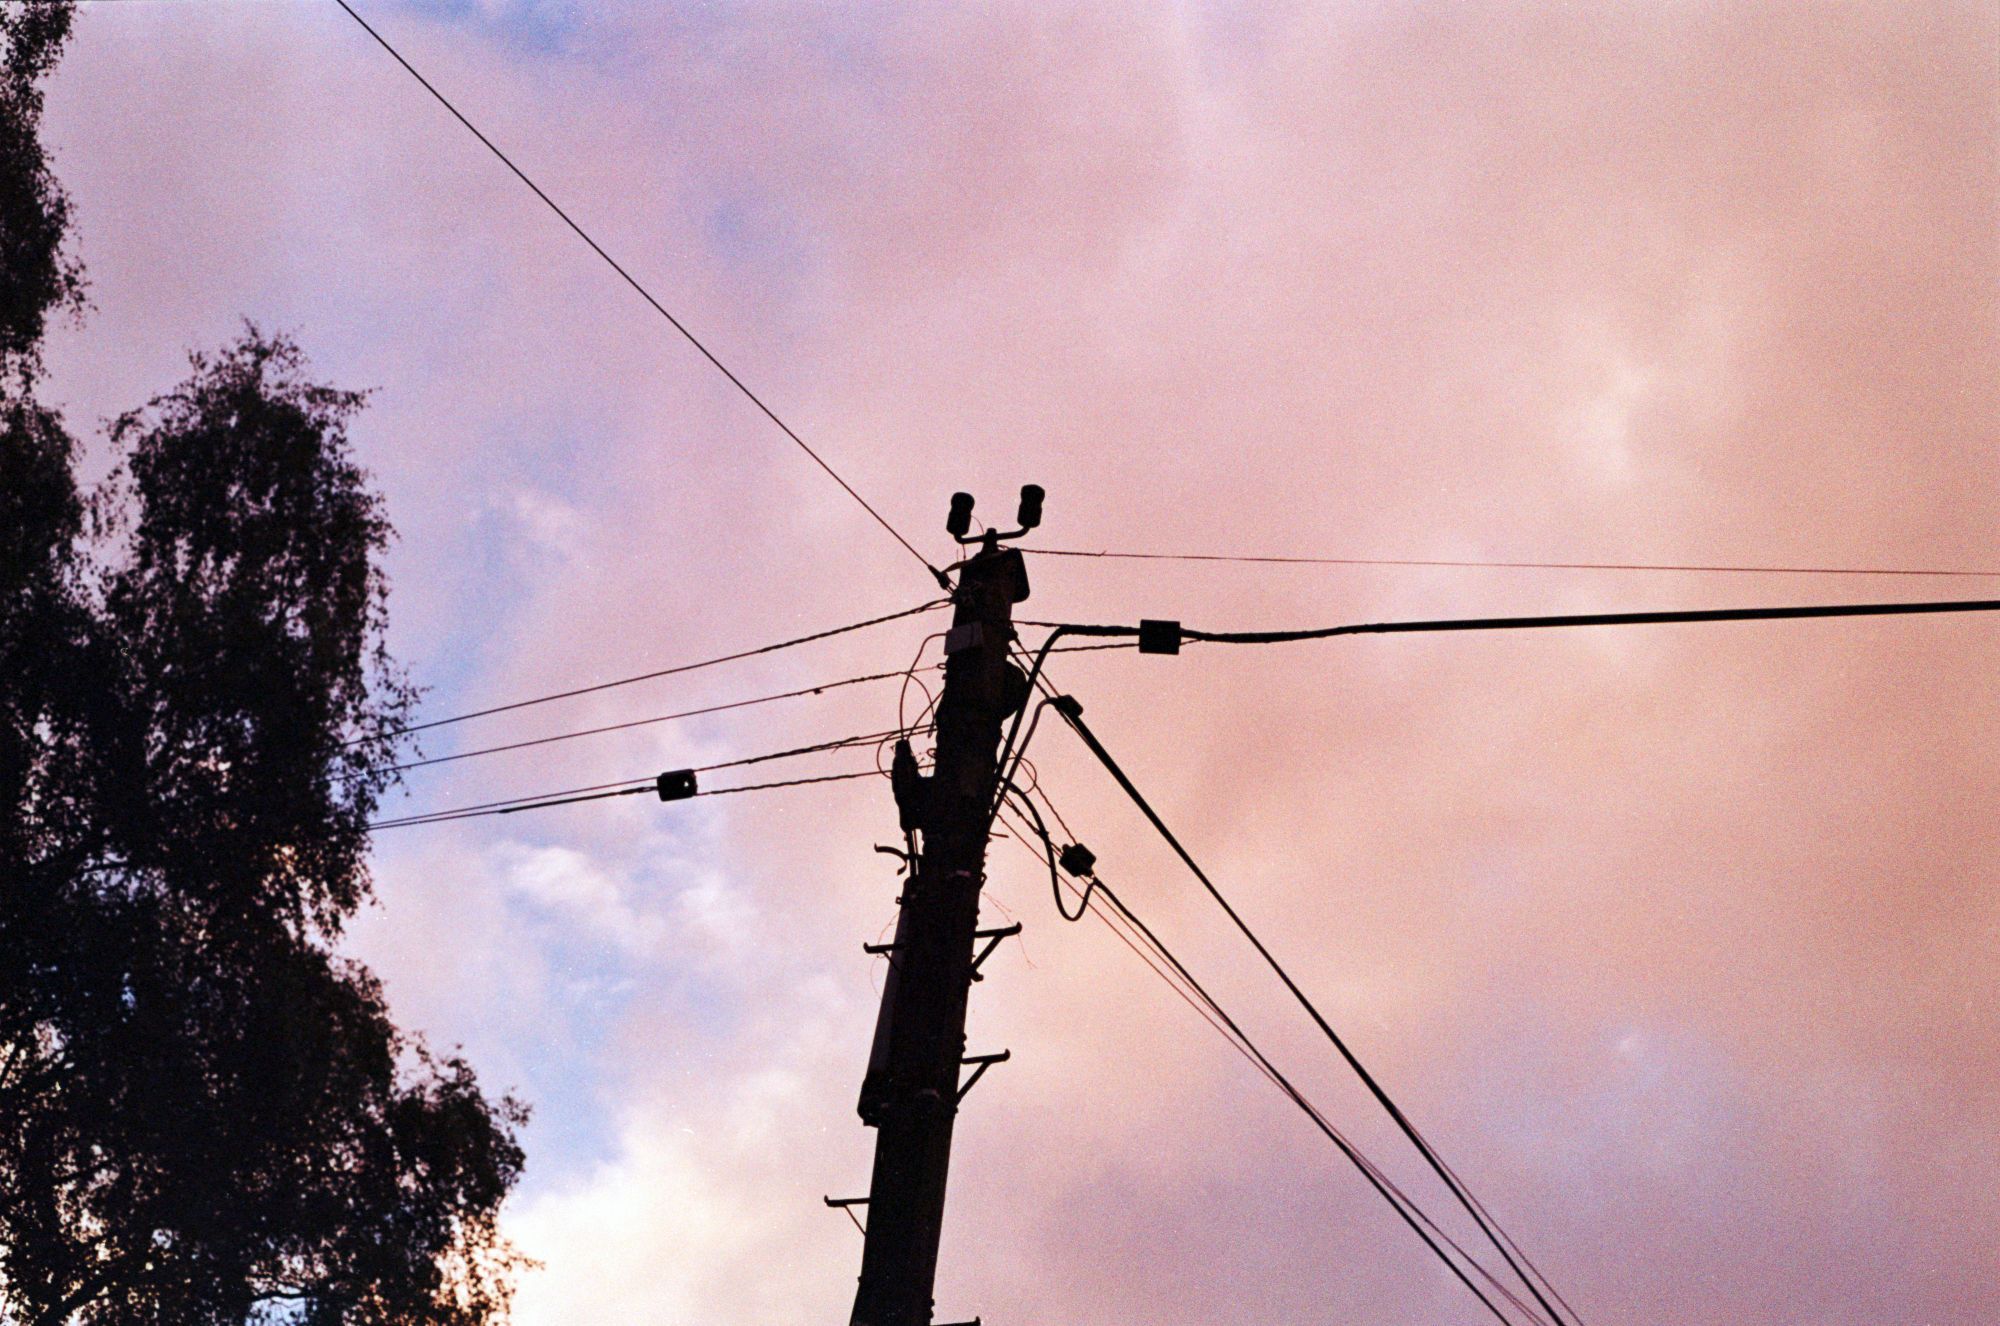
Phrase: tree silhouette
(206, 1114)
(36, 277)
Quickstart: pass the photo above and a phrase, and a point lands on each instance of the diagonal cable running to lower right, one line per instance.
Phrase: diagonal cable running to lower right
(1181, 981)
(1073, 715)
(645, 294)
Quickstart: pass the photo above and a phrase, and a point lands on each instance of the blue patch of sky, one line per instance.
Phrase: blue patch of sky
(750, 231)
(571, 1129)
(537, 27)
(572, 1064)
(1227, 33)
(496, 565)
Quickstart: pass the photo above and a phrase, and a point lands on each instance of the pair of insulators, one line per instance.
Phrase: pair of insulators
(959, 523)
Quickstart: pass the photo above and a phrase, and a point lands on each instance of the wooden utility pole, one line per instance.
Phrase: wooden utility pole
(911, 1093)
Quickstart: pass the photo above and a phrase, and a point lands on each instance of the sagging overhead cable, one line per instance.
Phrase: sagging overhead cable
(931, 606)
(1165, 637)
(675, 785)
(645, 722)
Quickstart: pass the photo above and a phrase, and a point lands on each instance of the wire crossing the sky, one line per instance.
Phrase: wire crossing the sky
(1167, 636)
(1178, 634)
(1513, 566)
(1184, 983)
(646, 295)
(1073, 715)
(644, 722)
(677, 669)
(633, 786)
(1597, 619)
(647, 786)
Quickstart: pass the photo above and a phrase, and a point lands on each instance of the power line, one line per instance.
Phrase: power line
(455, 812)
(840, 743)
(1518, 566)
(1083, 649)
(645, 787)
(643, 722)
(1202, 1002)
(790, 782)
(1073, 715)
(1596, 619)
(1179, 634)
(645, 294)
(631, 786)
(1400, 1200)
(1255, 1057)
(1506, 1245)
(931, 606)
(1217, 1017)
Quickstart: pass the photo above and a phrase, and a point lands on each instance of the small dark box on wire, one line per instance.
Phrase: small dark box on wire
(1078, 860)
(1159, 637)
(676, 785)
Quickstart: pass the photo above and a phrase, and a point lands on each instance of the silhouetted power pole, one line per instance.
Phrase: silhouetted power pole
(912, 1090)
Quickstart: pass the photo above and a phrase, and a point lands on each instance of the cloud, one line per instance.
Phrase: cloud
(1677, 942)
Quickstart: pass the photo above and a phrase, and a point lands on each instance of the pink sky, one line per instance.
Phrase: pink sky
(1679, 942)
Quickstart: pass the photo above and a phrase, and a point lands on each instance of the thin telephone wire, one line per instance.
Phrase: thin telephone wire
(645, 294)
(661, 672)
(1514, 566)
(643, 722)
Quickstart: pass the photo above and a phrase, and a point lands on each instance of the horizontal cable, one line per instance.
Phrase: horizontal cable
(790, 782)
(623, 786)
(1083, 649)
(1597, 619)
(632, 786)
(931, 606)
(643, 722)
(445, 818)
(1517, 566)
(1559, 620)
(455, 812)
(841, 743)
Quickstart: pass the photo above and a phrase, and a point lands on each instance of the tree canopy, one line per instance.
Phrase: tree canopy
(207, 1115)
